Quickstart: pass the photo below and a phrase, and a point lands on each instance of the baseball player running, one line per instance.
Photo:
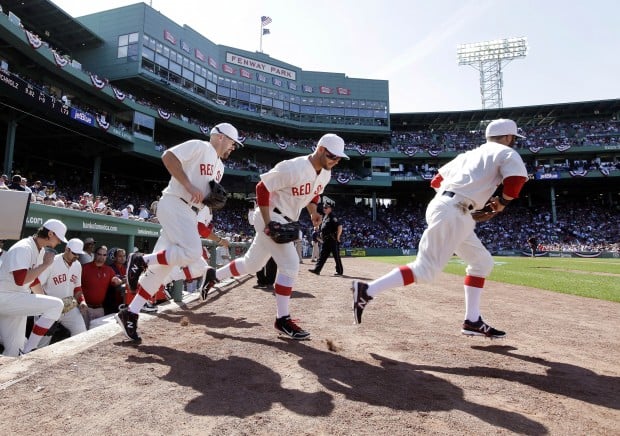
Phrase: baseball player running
(462, 185)
(63, 279)
(19, 271)
(200, 267)
(192, 165)
(281, 195)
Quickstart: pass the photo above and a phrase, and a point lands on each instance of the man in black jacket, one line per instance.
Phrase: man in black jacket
(331, 231)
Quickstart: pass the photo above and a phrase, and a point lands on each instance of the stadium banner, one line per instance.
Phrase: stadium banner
(82, 117)
(547, 176)
(264, 67)
(79, 221)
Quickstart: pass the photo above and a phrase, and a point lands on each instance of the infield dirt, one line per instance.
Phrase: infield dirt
(219, 367)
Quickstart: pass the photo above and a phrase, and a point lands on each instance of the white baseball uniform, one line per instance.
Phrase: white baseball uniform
(62, 280)
(197, 268)
(467, 182)
(179, 237)
(16, 301)
(292, 184)
(472, 176)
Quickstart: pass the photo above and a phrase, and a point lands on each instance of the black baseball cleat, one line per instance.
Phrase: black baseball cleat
(360, 299)
(480, 328)
(313, 271)
(210, 281)
(148, 308)
(287, 326)
(129, 323)
(135, 266)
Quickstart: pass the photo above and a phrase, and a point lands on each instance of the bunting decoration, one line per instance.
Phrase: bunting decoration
(282, 145)
(164, 114)
(343, 179)
(579, 173)
(101, 122)
(33, 39)
(205, 130)
(410, 151)
(60, 61)
(535, 149)
(594, 254)
(361, 151)
(97, 82)
(120, 95)
(434, 153)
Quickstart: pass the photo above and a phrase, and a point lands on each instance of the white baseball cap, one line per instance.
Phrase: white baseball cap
(333, 143)
(501, 127)
(76, 246)
(228, 130)
(58, 227)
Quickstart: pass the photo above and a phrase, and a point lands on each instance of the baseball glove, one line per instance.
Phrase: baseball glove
(216, 198)
(69, 303)
(484, 214)
(283, 233)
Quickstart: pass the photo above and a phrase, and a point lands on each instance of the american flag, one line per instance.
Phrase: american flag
(264, 20)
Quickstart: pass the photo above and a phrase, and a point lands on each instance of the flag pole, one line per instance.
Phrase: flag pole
(260, 50)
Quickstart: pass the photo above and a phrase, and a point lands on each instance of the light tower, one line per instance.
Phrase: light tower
(488, 58)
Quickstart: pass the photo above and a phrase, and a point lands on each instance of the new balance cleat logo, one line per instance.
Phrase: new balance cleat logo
(480, 328)
(135, 266)
(128, 322)
(360, 299)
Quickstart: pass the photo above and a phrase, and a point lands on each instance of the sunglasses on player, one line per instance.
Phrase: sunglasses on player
(331, 156)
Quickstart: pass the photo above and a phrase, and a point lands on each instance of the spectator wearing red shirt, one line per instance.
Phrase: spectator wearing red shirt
(97, 278)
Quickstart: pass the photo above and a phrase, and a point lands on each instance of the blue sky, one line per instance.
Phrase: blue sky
(574, 46)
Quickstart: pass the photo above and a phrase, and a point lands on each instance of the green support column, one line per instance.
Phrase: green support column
(554, 218)
(131, 242)
(374, 206)
(10, 146)
(96, 175)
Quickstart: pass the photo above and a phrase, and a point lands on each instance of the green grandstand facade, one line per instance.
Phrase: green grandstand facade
(102, 95)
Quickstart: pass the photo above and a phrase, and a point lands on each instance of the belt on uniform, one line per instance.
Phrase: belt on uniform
(452, 194)
(276, 210)
(194, 208)
(95, 306)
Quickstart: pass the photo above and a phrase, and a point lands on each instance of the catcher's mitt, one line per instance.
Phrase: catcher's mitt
(69, 303)
(216, 198)
(283, 233)
(484, 214)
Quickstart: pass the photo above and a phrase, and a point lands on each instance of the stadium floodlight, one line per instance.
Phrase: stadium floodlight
(488, 58)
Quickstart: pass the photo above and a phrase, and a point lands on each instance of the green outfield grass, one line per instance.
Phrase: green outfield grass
(593, 278)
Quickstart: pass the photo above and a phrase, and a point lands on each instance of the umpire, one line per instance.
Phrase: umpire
(331, 230)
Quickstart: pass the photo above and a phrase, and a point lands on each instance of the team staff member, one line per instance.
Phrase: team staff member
(192, 165)
(20, 268)
(533, 243)
(63, 279)
(463, 184)
(97, 279)
(281, 195)
(331, 231)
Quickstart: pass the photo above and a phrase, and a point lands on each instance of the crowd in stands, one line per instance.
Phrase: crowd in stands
(397, 226)
(560, 135)
(68, 192)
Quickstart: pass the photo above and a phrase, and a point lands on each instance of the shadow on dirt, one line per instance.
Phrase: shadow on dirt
(393, 384)
(233, 386)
